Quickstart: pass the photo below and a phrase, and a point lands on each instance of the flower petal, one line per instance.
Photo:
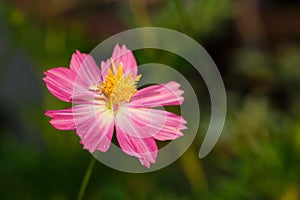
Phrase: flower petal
(59, 82)
(94, 125)
(125, 120)
(143, 148)
(62, 119)
(68, 119)
(86, 69)
(138, 127)
(88, 97)
(119, 55)
(63, 82)
(105, 65)
(158, 95)
(160, 124)
(148, 122)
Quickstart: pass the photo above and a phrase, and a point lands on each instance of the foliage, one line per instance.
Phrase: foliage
(257, 156)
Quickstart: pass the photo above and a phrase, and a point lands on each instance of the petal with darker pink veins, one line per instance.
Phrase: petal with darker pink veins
(145, 149)
(88, 73)
(63, 82)
(59, 82)
(147, 122)
(94, 126)
(62, 119)
(158, 95)
(161, 125)
(124, 55)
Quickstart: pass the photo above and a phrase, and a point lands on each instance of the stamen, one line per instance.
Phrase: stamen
(113, 66)
(117, 87)
(94, 87)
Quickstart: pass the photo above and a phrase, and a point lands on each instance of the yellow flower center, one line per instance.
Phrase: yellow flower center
(117, 87)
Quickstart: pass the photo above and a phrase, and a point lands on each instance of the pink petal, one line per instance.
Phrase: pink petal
(62, 119)
(63, 82)
(123, 55)
(160, 124)
(68, 119)
(147, 122)
(124, 119)
(88, 73)
(94, 125)
(105, 65)
(59, 82)
(158, 95)
(88, 97)
(143, 148)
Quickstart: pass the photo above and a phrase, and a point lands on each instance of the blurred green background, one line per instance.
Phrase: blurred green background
(255, 44)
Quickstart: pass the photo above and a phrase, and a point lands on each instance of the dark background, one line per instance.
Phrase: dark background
(256, 46)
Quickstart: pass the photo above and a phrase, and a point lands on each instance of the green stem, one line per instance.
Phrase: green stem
(194, 172)
(86, 179)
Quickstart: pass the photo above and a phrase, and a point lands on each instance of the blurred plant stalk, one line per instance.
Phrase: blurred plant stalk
(193, 170)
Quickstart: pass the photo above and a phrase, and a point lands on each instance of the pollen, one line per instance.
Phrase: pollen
(117, 86)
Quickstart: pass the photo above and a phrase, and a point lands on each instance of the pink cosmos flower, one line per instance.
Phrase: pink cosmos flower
(107, 99)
